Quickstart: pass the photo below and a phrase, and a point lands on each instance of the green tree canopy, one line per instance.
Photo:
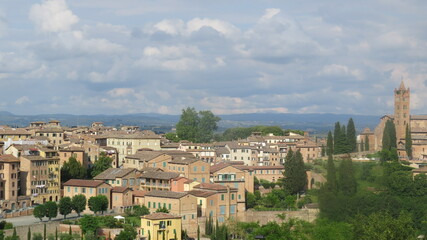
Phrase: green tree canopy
(51, 209)
(347, 183)
(89, 223)
(408, 142)
(72, 169)
(78, 203)
(295, 175)
(39, 212)
(351, 136)
(128, 233)
(103, 163)
(98, 204)
(65, 206)
(329, 144)
(197, 126)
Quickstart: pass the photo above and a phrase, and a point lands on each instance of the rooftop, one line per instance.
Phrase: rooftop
(113, 173)
(83, 183)
(160, 216)
(166, 194)
(160, 175)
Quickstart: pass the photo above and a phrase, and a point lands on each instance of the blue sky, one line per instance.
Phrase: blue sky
(132, 56)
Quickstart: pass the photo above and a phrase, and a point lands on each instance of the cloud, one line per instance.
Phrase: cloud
(22, 100)
(52, 16)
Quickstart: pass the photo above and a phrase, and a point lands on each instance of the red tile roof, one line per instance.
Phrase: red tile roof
(9, 158)
(83, 183)
(159, 216)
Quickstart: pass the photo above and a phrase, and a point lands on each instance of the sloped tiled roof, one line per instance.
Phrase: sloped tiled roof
(9, 158)
(160, 175)
(120, 189)
(83, 183)
(199, 193)
(166, 194)
(160, 216)
(113, 173)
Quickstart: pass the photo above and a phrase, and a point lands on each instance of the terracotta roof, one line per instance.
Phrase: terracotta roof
(83, 183)
(145, 155)
(219, 166)
(50, 130)
(138, 193)
(9, 158)
(185, 161)
(160, 216)
(160, 175)
(166, 194)
(420, 170)
(14, 131)
(113, 173)
(200, 193)
(212, 186)
(279, 167)
(120, 189)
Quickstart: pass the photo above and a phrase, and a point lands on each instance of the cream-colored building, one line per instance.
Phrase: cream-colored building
(128, 144)
(9, 182)
(191, 168)
(121, 177)
(159, 226)
(178, 203)
(89, 188)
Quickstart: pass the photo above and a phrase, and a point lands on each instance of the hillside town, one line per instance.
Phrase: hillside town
(191, 182)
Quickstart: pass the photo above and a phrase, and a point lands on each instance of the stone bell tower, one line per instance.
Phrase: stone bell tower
(401, 110)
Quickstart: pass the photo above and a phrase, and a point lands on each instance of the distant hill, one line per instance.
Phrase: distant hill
(313, 122)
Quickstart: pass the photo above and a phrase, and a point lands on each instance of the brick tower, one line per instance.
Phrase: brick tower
(401, 110)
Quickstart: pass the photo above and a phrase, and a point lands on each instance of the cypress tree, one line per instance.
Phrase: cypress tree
(323, 153)
(351, 136)
(44, 232)
(366, 143)
(329, 144)
(331, 176)
(408, 142)
(29, 234)
(346, 179)
(337, 134)
(393, 140)
(295, 174)
(362, 146)
(344, 141)
(56, 233)
(386, 136)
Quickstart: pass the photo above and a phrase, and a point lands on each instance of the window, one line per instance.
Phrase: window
(212, 202)
(90, 191)
(222, 209)
(83, 190)
(68, 189)
(149, 204)
(195, 169)
(192, 216)
(170, 206)
(76, 190)
(203, 180)
(222, 197)
(169, 223)
(148, 223)
(164, 164)
(203, 168)
(159, 205)
(183, 217)
(232, 196)
(232, 209)
(221, 219)
(240, 197)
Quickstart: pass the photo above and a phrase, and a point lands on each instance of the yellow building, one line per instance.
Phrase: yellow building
(155, 225)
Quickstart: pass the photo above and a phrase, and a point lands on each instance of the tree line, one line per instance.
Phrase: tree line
(73, 169)
(344, 139)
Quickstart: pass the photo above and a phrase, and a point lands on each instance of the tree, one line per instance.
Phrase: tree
(323, 153)
(89, 223)
(408, 142)
(187, 126)
(351, 136)
(331, 177)
(128, 233)
(37, 236)
(295, 175)
(208, 124)
(362, 146)
(51, 209)
(44, 231)
(79, 203)
(103, 163)
(98, 204)
(197, 127)
(337, 134)
(163, 210)
(366, 143)
(72, 169)
(172, 137)
(65, 206)
(329, 144)
(382, 226)
(29, 234)
(389, 136)
(347, 183)
(39, 212)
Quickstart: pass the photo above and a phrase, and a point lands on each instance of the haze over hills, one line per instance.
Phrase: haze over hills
(313, 122)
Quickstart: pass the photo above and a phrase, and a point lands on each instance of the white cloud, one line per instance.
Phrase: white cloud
(340, 70)
(52, 16)
(269, 13)
(22, 100)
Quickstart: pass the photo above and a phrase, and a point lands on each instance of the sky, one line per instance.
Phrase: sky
(286, 56)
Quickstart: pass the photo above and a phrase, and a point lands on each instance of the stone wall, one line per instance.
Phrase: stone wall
(263, 217)
(22, 231)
